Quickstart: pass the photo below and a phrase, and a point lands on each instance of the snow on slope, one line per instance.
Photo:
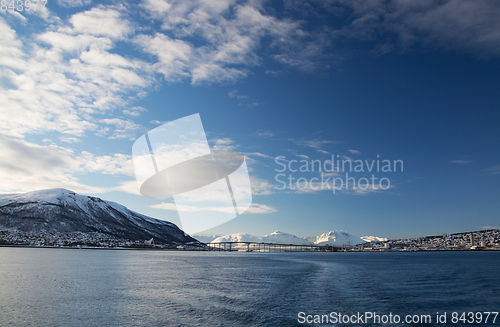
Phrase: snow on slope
(335, 238)
(239, 237)
(338, 238)
(275, 237)
(284, 238)
(53, 196)
(62, 211)
(374, 238)
(67, 198)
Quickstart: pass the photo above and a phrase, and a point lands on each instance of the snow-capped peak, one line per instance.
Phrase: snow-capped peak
(284, 238)
(68, 198)
(374, 238)
(335, 238)
(239, 237)
(338, 237)
(54, 195)
(63, 211)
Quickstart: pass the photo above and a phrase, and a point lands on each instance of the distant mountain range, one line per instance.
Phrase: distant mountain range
(334, 238)
(64, 211)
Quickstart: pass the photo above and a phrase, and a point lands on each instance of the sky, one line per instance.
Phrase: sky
(412, 82)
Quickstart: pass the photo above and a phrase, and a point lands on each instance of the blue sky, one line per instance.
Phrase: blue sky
(401, 80)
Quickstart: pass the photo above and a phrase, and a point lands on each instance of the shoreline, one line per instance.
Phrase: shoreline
(340, 250)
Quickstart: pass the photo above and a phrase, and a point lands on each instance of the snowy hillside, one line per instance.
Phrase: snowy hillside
(284, 238)
(275, 237)
(239, 237)
(373, 238)
(63, 211)
(338, 238)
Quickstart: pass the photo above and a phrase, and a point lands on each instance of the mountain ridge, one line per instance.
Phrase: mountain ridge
(334, 238)
(64, 211)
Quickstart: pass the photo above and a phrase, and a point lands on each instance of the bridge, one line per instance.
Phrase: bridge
(268, 247)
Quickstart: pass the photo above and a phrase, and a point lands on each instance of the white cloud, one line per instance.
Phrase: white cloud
(493, 170)
(260, 208)
(101, 22)
(116, 164)
(157, 122)
(258, 154)
(128, 187)
(67, 77)
(11, 53)
(63, 76)
(170, 206)
(123, 128)
(267, 133)
(60, 79)
(26, 166)
(261, 186)
(231, 33)
(234, 94)
(223, 144)
(211, 72)
(316, 144)
(173, 55)
(135, 111)
(156, 8)
(36, 8)
(69, 139)
(19, 155)
(354, 151)
(15, 14)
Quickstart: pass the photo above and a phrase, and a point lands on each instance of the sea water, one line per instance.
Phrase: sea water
(66, 287)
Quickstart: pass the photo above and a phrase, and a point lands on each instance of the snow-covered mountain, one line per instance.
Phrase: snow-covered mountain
(374, 238)
(335, 238)
(64, 211)
(275, 237)
(238, 237)
(284, 238)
